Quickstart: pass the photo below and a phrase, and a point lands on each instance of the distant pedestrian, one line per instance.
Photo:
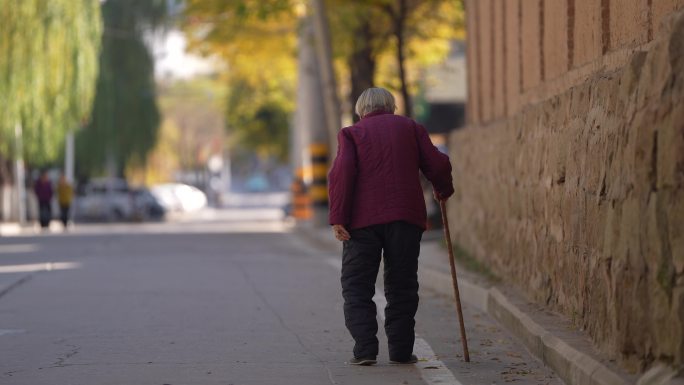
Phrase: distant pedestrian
(378, 210)
(65, 195)
(43, 190)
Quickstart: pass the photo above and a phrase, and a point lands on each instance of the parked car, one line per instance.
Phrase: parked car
(107, 199)
(146, 205)
(112, 200)
(179, 197)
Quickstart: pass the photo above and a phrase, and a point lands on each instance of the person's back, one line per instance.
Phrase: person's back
(389, 151)
(65, 195)
(43, 191)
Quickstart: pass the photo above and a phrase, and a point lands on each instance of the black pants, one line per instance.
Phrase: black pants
(44, 214)
(64, 214)
(361, 255)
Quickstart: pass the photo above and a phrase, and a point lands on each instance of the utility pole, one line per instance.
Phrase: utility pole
(69, 157)
(20, 173)
(226, 177)
(310, 136)
(322, 150)
(325, 64)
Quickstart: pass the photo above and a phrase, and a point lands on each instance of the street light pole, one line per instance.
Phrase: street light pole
(20, 173)
(327, 73)
(69, 157)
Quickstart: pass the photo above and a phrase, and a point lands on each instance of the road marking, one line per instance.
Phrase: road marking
(18, 248)
(179, 227)
(11, 331)
(432, 370)
(48, 266)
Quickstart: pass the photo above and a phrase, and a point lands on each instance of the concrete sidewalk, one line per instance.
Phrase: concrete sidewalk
(550, 337)
(9, 228)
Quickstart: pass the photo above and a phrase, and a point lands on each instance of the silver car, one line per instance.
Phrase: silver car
(107, 199)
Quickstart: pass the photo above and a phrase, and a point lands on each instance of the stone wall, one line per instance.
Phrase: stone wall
(571, 184)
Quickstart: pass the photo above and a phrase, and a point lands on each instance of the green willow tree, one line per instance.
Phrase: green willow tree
(48, 68)
(125, 119)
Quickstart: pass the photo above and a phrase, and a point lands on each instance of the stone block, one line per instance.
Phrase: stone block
(513, 55)
(555, 38)
(665, 341)
(485, 30)
(587, 31)
(531, 44)
(678, 317)
(498, 51)
(472, 60)
(661, 9)
(629, 23)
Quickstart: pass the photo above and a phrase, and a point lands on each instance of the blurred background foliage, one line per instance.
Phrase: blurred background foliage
(374, 42)
(258, 42)
(88, 66)
(191, 130)
(387, 43)
(48, 68)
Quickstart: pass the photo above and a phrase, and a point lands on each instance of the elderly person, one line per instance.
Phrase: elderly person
(377, 208)
(65, 196)
(43, 190)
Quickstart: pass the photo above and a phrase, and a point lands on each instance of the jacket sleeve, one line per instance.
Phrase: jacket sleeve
(434, 164)
(342, 180)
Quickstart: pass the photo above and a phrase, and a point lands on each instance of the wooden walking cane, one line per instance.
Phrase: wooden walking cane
(454, 280)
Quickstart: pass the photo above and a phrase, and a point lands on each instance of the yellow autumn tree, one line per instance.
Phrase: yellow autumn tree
(257, 42)
(388, 42)
(375, 42)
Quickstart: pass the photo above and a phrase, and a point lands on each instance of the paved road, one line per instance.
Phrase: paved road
(215, 301)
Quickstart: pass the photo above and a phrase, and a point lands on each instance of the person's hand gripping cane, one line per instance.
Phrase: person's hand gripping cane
(341, 233)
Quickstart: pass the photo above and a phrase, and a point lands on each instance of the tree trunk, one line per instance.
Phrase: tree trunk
(327, 72)
(399, 25)
(5, 171)
(361, 64)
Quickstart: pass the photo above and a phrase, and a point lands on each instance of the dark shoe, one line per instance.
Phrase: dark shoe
(368, 361)
(411, 360)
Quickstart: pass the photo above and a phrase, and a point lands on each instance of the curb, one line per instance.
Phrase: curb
(573, 366)
(570, 364)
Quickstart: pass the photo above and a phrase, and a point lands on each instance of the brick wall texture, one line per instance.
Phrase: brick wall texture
(570, 174)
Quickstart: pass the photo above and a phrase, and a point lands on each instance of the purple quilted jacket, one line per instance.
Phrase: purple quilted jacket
(374, 178)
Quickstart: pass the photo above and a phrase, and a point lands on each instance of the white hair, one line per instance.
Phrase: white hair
(375, 99)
